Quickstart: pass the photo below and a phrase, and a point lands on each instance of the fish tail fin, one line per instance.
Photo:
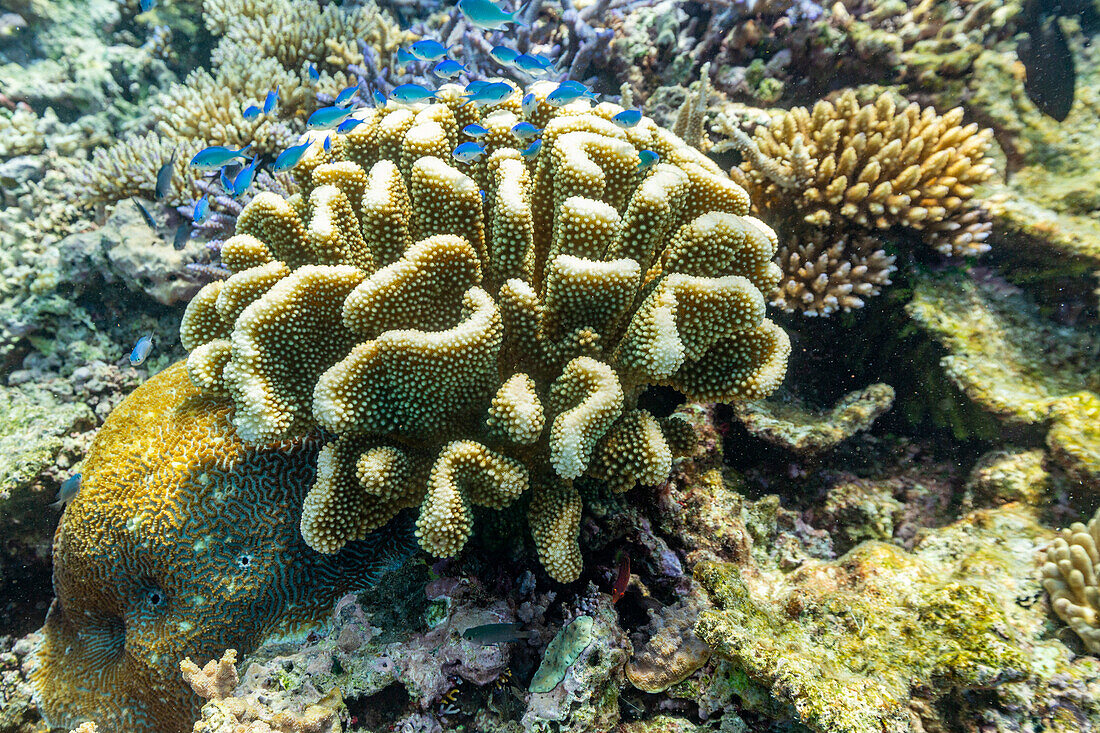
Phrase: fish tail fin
(244, 150)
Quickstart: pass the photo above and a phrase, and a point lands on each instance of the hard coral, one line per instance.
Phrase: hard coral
(816, 173)
(480, 338)
(182, 541)
(1070, 577)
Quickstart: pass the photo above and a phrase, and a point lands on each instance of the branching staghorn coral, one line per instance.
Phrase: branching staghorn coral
(815, 174)
(479, 337)
(1070, 577)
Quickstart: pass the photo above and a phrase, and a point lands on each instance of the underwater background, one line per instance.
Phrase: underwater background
(566, 366)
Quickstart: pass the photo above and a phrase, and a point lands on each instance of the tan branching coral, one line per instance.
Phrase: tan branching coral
(1070, 577)
(827, 178)
(478, 337)
(130, 169)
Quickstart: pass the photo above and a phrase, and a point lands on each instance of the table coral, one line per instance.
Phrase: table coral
(182, 541)
(1069, 576)
(830, 177)
(479, 338)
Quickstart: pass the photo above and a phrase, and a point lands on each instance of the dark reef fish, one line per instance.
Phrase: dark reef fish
(487, 634)
(1051, 74)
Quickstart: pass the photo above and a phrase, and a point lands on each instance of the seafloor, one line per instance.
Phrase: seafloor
(872, 547)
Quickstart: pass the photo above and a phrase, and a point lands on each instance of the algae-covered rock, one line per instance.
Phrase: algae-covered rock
(1017, 365)
(1002, 476)
(32, 424)
(784, 421)
(673, 652)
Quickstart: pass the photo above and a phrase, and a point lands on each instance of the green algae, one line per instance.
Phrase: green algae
(560, 654)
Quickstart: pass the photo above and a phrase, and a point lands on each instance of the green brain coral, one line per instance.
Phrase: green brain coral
(479, 335)
(183, 541)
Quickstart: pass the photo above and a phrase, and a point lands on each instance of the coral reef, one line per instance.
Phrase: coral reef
(18, 712)
(827, 178)
(463, 352)
(673, 652)
(182, 541)
(1017, 365)
(782, 421)
(1069, 576)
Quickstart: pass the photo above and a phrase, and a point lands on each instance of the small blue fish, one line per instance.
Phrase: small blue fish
(647, 159)
(379, 98)
(428, 50)
(328, 117)
(202, 211)
(627, 118)
(327, 144)
(532, 150)
(144, 213)
(475, 130)
(492, 93)
(164, 176)
(485, 14)
(468, 152)
(251, 112)
(271, 100)
(503, 55)
(525, 130)
(345, 95)
(532, 64)
(243, 180)
(147, 5)
(290, 157)
(530, 103)
(476, 85)
(404, 58)
(314, 75)
(564, 95)
(348, 125)
(226, 181)
(141, 350)
(216, 156)
(448, 69)
(70, 487)
(411, 93)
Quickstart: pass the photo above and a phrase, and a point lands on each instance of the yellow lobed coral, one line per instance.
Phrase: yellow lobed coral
(478, 337)
(1070, 577)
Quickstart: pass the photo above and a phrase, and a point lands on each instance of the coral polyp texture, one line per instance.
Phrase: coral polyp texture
(830, 177)
(1070, 577)
(477, 336)
(182, 541)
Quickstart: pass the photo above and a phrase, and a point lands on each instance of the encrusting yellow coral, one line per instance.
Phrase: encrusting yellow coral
(823, 175)
(479, 337)
(1070, 577)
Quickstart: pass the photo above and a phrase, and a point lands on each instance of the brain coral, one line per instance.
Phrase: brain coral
(829, 177)
(479, 337)
(182, 541)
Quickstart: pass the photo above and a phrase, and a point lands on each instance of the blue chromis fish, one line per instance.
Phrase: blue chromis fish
(476, 85)
(345, 95)
(348, 125)
(532, 64)
(468, 152)
(144, 213)
(290, 157)
(141, 350)
(243, 180)
(226, 180)
(448, 69)
(202, 211)
(327, 117)
(251, 112)
(379, 98)
(566, 93)
(530, 103)
(503, 55)
(532, 150)
(411, 93)
(327, 144)
(428, 50)
(314, 75)
(525, 130)
(492, 93)
(485, 14)
(475, 130)
(147, 5)
(164, 177)
(627, 118)
(404, 58)
(271, 100)
(495, 633)
(216, 156)
(647, 159)
(70, 487)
